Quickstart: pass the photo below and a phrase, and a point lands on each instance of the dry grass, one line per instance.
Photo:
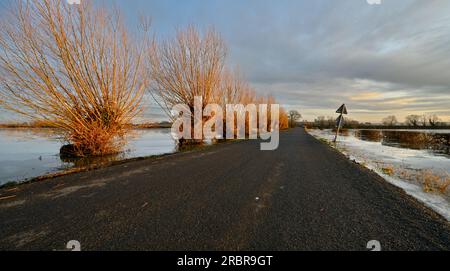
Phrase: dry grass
(431, 181)
(435, 183)
(388, 170)
(73, 67)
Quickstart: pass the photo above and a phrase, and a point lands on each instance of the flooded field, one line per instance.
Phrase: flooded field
(417, 161)
(28, 153)
(438, 142)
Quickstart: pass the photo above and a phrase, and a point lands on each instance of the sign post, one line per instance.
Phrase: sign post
(340, 120)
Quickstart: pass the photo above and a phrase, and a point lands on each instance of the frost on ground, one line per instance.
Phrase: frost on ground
(420, 173)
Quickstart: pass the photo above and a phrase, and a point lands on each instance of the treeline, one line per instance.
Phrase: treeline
(391, 122)
(80, 69)
(192, 65)
(425, 120)
(329, 122)
(32, 124)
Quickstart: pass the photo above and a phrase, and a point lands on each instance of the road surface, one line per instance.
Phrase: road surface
(304, 196)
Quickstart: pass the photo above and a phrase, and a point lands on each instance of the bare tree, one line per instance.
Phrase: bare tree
(424, 120)
(413, 120)
(75, 67)
(232, 89)
(390, 121)
(294, 116)
(320, 121)
(193, 65)
(433, 120)
(325, 122)
(331, 122)
(189, 65)
(284, 119)
(351, 123)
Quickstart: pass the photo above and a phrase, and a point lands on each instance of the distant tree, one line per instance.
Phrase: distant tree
(390, 121)
(320, 121)
(424, 120)
(331, 122)
(351, 124)
(294, 116)
(323, 122)
(433, 120)
(413, 120)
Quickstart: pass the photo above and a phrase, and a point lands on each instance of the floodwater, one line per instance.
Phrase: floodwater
(417, 161)
(435, 141)
(29, 153)
(420, 150)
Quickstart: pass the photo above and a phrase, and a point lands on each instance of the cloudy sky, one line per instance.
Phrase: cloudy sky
(314, 55)
(392, 58)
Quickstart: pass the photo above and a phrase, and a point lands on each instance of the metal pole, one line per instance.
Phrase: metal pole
(338, 128)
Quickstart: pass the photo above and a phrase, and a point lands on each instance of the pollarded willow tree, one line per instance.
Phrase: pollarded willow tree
(193, 64)
(74, 66)
(187, 66)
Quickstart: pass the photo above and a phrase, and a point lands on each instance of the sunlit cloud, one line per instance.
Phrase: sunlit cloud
(367, 96)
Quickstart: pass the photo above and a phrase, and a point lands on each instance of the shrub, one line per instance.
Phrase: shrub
(433, 182)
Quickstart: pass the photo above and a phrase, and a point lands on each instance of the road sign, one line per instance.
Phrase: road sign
(342, 110)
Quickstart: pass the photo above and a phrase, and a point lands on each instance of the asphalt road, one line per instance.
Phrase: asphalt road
(304, 196)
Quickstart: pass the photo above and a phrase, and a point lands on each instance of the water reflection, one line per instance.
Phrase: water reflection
(411, 160)
(369, 135)
(342, 132)
(28, 153)
(83, 162)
